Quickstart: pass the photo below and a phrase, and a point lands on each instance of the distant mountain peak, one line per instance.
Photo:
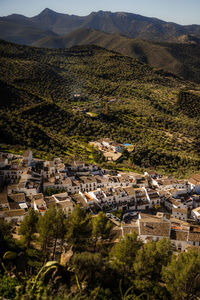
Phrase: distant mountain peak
(47, 11)
(101, 12)
(121, 14)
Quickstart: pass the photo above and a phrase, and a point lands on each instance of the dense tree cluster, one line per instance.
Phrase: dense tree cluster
(94, 266)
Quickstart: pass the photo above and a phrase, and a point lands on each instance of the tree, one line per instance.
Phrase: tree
(59, 228)
(125, 153)
(46, 225)
(124, 253)
(182, 276)
(148, 266)
(79, 229)
(86, 266)
(101, 228)
(6, 240)
(29, 226)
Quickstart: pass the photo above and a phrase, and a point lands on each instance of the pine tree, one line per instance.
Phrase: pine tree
(79, 229)
(28, 227)
(101, 228)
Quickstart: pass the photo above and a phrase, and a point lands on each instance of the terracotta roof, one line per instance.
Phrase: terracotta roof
(197, 210)
(65, 204)
(179, 235)
(38, 196)
(76, 183)
(17, 197)
(194, 236)
(130, 191)
(177, 222)
(39, 202)
(130, 229)
(14, 213)
(154, 227)
(87, 180)
(13, 186)
(50, 201)
(22, 185)
(26, 153)
(3, 197)
(14, 205)
(180, 210)
(67, 181)
(195, 179)
(79, 200)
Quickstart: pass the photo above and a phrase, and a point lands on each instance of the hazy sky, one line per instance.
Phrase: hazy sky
(179, 11)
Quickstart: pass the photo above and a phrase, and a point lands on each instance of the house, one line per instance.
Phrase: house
(88, 183)
(17, 201)
(11, 173)
(140, 180)
(152, 196)
(38, 203)
(194, 236)
(170, 183)
(4, 204)
(142, 203)
(50, 201)
(40, 206)
(49, 169)
(153, 227)
(76, 166)
(89, 200)
(27, 157)
(179, 234)
(107, 145)
(3, 162)
(195, 200)
(110, 156)
(180, 213)
(19, 197)
(63, 201)
(177, 193)
(170, 202)
(194, 183)
(14, 215)
(152, 174)
(195, 213)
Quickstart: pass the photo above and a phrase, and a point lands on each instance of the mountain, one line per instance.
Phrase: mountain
(155, 41)
(38, 108)
(128, 24)
(180, 59)
(131, 25)
(21, 30)
(150, 40)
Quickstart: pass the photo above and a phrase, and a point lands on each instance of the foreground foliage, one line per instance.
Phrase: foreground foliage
(124, 270)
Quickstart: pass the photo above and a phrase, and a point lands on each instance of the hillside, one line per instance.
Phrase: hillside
(38, 109)
(19, 29)
(180, 59)
(165, 45)
(128, 24)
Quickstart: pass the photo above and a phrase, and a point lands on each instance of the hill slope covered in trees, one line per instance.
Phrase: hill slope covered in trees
(38, 109)
(181, 59)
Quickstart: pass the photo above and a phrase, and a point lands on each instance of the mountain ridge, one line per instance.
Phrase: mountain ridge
(114, 31)
(128, 24)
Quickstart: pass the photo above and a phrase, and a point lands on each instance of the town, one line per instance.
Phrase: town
(152, 205)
